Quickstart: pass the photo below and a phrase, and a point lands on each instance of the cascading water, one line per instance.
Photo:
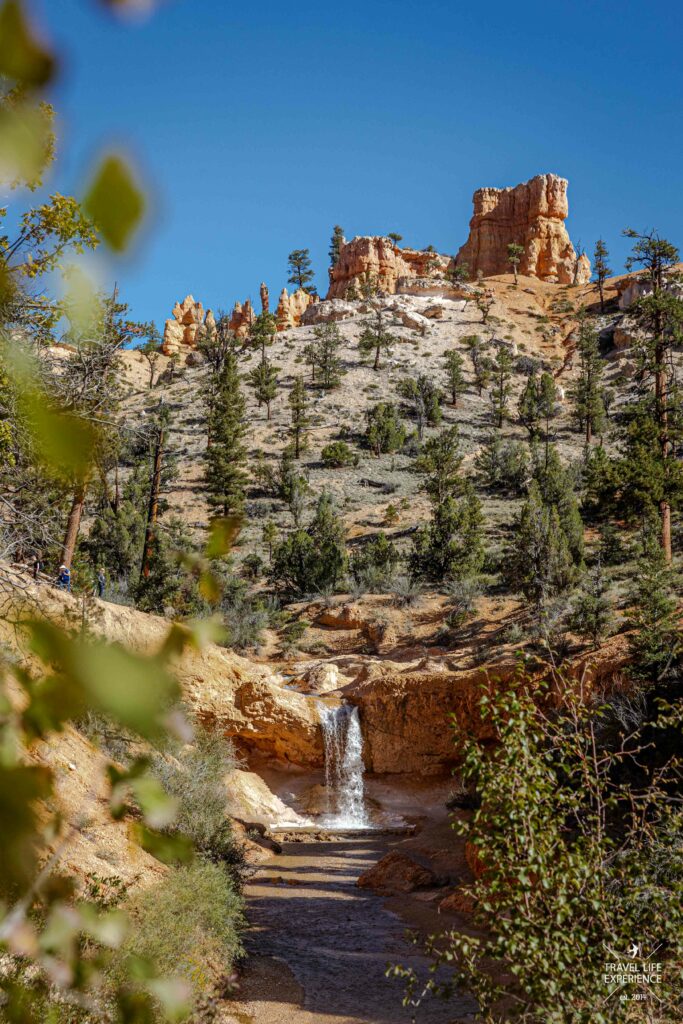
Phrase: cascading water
(343, 766)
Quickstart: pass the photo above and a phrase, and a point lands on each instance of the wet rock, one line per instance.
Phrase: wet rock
(396, 873)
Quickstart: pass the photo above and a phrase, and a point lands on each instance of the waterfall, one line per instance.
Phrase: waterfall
(343, 766)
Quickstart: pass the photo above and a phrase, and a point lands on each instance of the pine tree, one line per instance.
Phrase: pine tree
(539, 563)
(481, 364)
(226, 456)
(300, 270)
(500, 390)
(312, 560)
(325, 355)
(385, 431)
(537, 402)
(556, 487)
(425, 400)
(440, 461)
(263, 379)
(515, 253)
(484, 300)
(656, 641)
(336, 244)
(298, 404)
(601, 269)
(591, 614)
(395, 237)
(659, 319)
(375, 337)
(454, 375)
(262, 333)
(589, 408)
(451, 546)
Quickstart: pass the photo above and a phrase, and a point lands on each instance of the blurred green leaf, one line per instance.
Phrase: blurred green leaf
(136, 691)
(170, 849)
(195, 633)
(21, 786)
(22, 57)
(222, 536)
(25, 137)
(175, 996)
(115, 202)
(64, 442)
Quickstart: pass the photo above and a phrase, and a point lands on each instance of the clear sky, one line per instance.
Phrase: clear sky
(258, 126)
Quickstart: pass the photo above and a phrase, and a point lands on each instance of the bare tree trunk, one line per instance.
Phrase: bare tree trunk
(73, 525)
(663, 417)
(153, 508)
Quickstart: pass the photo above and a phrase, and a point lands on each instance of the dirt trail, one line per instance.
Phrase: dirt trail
(319, 946)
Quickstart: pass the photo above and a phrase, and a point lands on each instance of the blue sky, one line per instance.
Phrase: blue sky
(257, 127)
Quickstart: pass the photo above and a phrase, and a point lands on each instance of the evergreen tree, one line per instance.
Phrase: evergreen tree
(500, 389)
(216, 345)
(325, 355)
(591, 614)
(336, 243)
(484, 300)
(298, 405)
(601, 269)
(300, 270)
(451, 546)
(424, 399)
(655, 643)
(515, 253)
(312, 560)
(375, 563)
(503, 466)
(481, 364)
(589, 408)
(385, 431)
(262, 333)
(659, 319)
(270, 536)
(556, 487)
(226, 455)
(440, 461)
(375, 338)
(537, 403)
(395, 237)
(539, 563)
(455, 377)
(263, 379)
(151, 350)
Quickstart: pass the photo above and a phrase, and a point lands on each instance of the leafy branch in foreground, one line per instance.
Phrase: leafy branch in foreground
(578, 839)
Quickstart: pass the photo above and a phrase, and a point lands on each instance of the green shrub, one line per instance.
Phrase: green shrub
(195, 776)
(338, 454)
(385, 431)
(187, 925)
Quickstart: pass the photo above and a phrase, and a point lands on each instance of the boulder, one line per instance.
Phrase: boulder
(328, 311)
(532, 215)
(396, 873)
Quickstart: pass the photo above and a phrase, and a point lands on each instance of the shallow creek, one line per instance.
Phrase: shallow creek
(319, 946)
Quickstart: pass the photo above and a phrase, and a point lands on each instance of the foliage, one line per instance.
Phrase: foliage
(500, 388)
(375, 338)
(574, 868)
(194, 777)
(385, 431)
(601, 269)
(589, 407)
(300, 270)
(439, 462)
(455, 378)
(226, 455)
(188, 924)
(314, 559)
(539, 562)
(655, 643)
(263, 379)
(503, 465)
(337, 454)
(424, 399)
(537, 403)
(323, 355)
(262, 333)
(336, 243)
(298, 405)
(591, 615)
(515, 252)
(375, 563)
(451, 545)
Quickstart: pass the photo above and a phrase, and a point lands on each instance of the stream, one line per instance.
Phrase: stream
(319, 946)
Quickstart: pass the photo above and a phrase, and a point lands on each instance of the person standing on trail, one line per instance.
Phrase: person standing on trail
(101, 582)
(38, 565)
(64, 578)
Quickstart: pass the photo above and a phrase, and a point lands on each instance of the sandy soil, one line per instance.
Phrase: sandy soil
(319, 946)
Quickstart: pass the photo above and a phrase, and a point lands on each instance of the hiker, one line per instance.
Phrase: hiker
(101, 582)
(38, 565)
(64, 578)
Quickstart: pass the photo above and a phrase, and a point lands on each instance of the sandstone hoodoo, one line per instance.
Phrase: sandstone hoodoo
(187, 324)
(379, 262)
(531, 215)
